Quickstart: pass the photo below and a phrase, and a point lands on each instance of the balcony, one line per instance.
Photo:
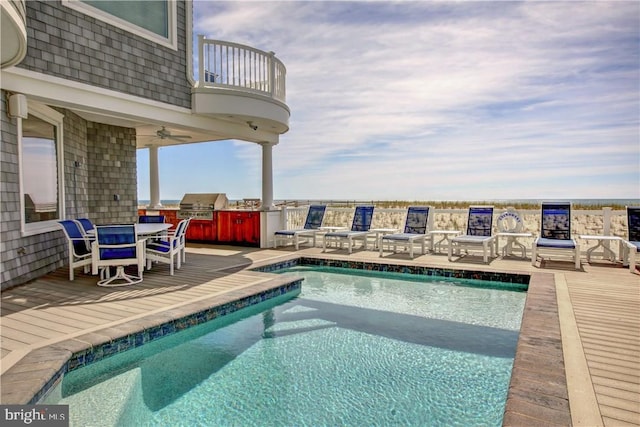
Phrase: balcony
(242, 85)
(13, 45)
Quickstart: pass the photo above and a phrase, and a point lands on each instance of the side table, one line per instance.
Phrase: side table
(606, 250)
(381, 232)
(512, 240)
(446, 235)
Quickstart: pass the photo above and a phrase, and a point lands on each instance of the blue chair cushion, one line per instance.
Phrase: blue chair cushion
(146, 219)
(285, 232)
(74, 233)
(555, 243)
(362, 218)
(416, 222)
(473, 239)
(637, 245)
(402, 236)
(343, 234)
(86, 224)
(165, 243)
(118, 253)
(159, 247)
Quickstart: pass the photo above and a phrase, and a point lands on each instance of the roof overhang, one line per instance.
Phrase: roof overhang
(119, 109)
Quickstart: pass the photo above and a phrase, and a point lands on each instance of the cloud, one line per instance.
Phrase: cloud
(416, 99)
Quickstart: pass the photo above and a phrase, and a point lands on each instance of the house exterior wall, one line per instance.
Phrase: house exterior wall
(99, 159)
(106, 157)
(113, 171)
(68, 44)
(22, 258)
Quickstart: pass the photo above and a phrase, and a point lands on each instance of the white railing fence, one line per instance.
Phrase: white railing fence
(584, 222)
(232, 65)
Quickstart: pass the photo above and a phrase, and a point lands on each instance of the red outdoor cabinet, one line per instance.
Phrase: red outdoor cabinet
(239, 227)
(202, 230)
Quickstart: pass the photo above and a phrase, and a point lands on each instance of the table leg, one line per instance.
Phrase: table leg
(507, 250)
(605, 251)
(438, 244)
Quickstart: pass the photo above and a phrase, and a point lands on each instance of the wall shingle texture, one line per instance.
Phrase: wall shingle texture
(68, 44)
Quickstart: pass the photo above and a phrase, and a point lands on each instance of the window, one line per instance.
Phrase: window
(41, 170)
(154, 20)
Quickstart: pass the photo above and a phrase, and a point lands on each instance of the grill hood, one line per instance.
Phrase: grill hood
(204, 201)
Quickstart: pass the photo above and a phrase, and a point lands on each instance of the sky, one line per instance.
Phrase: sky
(466, 100)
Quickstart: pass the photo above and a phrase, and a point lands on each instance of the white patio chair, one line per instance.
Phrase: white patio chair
(117, 246)
(555, 234)
(78, 246)
(479, 234)
(313, 222)
(359, 230)
(416, 227)
(169, 249)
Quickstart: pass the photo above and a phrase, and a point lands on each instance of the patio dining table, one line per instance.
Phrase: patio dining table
(147, 229)
(151, 229)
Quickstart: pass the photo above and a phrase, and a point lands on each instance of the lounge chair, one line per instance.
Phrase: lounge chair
(169, 249)
(416, 227)
(315, 215)
(555, 233)
(117, 246)
(632, 244)
(479, 234)
(359, 230)
(79, 246)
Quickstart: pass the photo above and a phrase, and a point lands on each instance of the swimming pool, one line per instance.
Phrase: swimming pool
(363, 348)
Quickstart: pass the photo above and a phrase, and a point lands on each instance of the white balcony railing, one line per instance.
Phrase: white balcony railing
(235, 66)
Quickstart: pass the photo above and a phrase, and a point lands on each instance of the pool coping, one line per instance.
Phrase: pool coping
(537, 392)
(35, 375)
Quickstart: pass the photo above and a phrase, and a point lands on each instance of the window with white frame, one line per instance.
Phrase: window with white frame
(154, 20)
(41, 169)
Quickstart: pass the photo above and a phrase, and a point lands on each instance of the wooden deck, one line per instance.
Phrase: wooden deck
(597, 326)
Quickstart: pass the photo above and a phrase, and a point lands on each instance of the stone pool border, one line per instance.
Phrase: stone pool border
(492, 276)
(43, 368)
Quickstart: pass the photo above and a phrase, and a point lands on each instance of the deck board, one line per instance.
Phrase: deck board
(604, 299)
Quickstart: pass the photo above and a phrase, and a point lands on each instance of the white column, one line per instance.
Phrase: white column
(154, 179)
(267, 176)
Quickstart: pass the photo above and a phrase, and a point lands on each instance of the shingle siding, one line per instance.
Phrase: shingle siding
(66, 43)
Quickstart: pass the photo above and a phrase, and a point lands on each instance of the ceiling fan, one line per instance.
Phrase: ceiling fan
(164, 133)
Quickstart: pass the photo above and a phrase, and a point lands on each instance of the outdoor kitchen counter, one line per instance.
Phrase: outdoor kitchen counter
(228, 226)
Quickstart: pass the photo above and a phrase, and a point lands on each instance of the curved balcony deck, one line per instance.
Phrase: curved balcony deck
(14, 32)
(241, 84)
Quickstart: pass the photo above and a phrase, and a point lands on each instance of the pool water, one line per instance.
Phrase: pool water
(353, 349)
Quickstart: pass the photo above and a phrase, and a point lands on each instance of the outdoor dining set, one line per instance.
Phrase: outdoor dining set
(106, 250)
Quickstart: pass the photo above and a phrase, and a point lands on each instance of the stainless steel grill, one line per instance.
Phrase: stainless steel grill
(202, 205)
